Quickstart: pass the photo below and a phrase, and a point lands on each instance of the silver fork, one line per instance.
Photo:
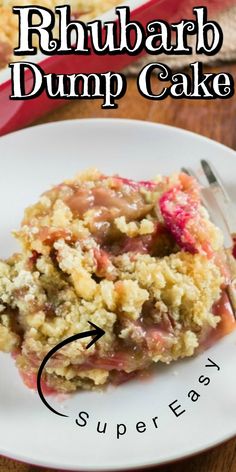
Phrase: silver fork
(223, 212)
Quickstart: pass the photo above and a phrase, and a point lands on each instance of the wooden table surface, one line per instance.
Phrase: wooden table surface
(215, 119)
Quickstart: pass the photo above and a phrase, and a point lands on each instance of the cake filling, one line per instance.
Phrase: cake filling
(141, 260)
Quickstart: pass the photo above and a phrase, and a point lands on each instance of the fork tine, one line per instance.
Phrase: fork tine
(210, 202)
(186, 171)
(191, 173)
(213, 178)
(226, 205)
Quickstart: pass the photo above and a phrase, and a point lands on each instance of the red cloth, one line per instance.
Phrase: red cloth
(175, 10)
(212, 5)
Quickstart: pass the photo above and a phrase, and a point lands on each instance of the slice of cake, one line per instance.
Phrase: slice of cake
(141, 260)
(83, 10)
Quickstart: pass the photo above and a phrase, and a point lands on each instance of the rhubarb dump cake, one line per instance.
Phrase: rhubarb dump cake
(83, 10)
(141, 260)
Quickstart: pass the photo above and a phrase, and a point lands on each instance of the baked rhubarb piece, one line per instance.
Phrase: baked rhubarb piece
(141, 260)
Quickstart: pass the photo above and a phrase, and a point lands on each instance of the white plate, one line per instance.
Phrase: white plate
(32, 160)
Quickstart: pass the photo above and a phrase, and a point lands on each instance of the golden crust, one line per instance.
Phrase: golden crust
(87, 10)
(154, 305)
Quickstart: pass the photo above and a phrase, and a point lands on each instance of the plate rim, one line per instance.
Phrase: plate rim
(177, 459)
(113, 122)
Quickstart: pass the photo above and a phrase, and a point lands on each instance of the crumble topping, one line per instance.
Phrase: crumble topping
(139, 259)
(84, 10)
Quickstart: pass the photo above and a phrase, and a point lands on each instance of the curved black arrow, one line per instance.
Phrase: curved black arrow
(97, 333)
